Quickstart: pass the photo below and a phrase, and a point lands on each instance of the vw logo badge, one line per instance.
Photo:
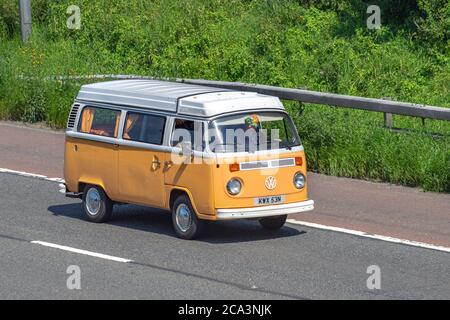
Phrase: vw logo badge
(271, 183)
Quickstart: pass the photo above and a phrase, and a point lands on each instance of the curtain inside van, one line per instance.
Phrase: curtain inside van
(131, 121)
(87, 119)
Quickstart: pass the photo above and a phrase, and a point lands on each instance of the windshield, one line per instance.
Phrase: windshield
(252, 132)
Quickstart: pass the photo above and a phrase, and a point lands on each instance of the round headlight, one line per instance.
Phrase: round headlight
(299, 180)
(234, 186)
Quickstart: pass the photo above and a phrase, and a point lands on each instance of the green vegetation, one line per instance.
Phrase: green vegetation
(321, 45)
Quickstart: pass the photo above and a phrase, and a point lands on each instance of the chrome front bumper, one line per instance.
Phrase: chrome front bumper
(264, 211)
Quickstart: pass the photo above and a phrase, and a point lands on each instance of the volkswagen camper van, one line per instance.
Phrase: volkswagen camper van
(199, 152)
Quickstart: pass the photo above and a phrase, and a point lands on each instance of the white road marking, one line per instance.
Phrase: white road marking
(80, 251)
(369, 235)
(62, 188)
(303, 223)
(31, 175)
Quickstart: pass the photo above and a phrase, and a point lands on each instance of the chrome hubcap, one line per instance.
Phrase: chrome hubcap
(93, 201)
(183, 217)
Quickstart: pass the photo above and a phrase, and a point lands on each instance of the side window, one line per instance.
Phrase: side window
(99, 121)
(188, 131)
(144, 128)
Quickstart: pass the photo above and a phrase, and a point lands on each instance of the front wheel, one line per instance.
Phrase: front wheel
(273, 223)
(185, 222)
(97, 205)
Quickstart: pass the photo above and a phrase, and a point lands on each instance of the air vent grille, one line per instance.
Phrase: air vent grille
(73, 116)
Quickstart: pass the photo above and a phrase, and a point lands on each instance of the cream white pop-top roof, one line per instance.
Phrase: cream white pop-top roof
(174, 97)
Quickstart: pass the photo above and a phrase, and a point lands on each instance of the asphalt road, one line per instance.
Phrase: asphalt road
(232, 260)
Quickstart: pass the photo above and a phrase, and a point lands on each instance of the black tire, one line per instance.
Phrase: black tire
(273, 223)
(194, 226)
(105, 205)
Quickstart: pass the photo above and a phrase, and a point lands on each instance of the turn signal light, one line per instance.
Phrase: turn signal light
(298, 161)
(234, 167)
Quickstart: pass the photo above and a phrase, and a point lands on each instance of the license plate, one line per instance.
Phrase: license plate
(261, 201)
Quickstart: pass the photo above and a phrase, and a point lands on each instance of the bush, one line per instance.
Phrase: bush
(434, 24)
(9, 18)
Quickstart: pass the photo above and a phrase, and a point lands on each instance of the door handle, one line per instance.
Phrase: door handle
(155, 164)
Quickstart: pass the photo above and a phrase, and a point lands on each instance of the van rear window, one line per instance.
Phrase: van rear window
(144, 128)
(100, 121)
